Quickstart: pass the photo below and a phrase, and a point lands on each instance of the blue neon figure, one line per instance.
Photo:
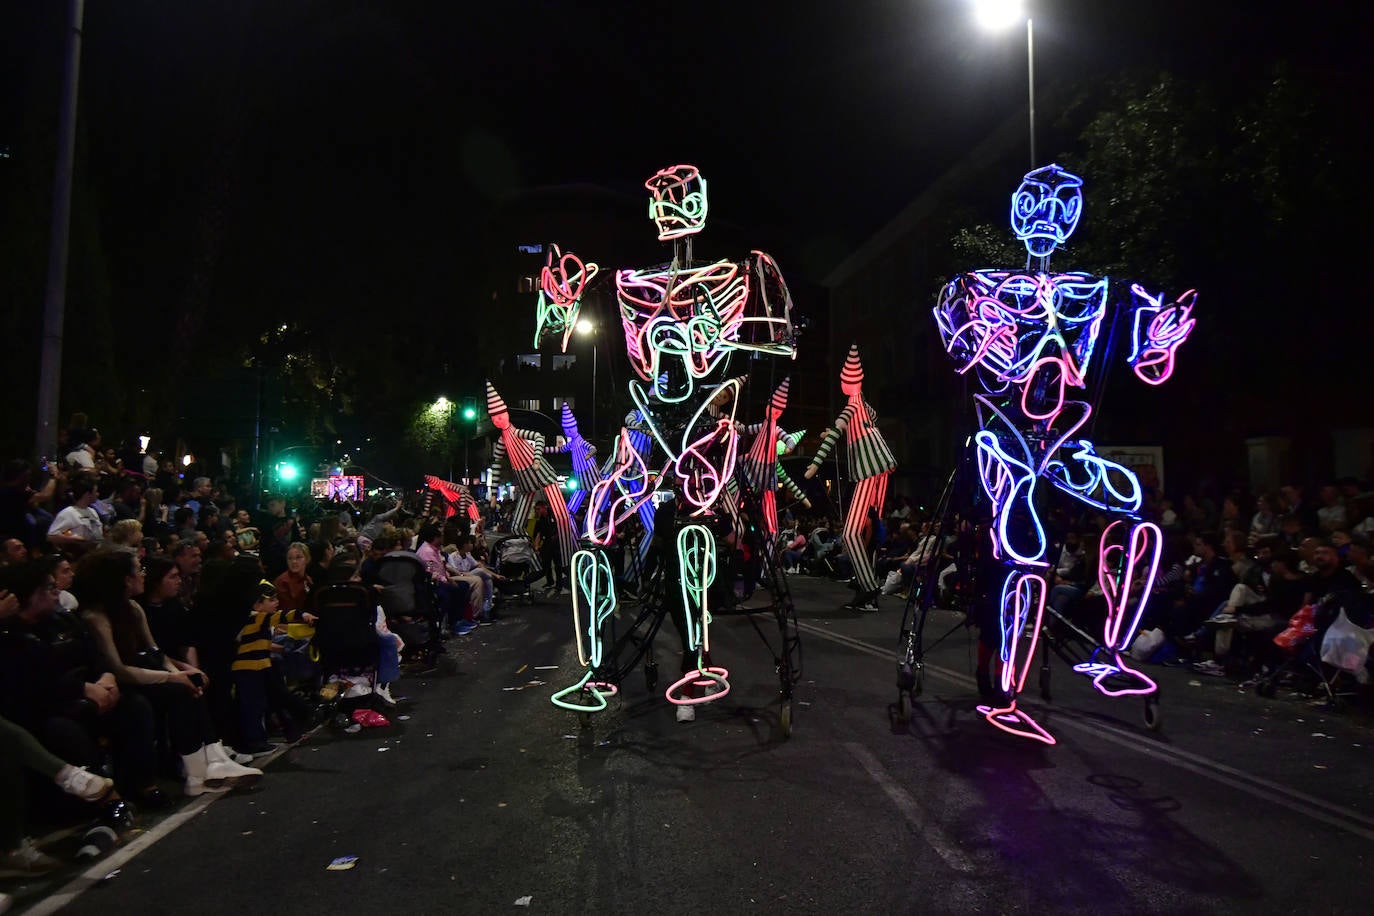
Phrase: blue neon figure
(1029, 337)
(583, 455)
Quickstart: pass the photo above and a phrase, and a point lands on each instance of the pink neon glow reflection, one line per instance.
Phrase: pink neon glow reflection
(697, 676)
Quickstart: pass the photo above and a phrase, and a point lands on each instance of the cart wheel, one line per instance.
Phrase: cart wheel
(1154, 718)
(1045, 683)
(903, 707)
(785, 719)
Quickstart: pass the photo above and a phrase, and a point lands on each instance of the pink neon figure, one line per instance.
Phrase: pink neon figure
(1028, 337)
(533, 474)
(683, 322)
(870, 465)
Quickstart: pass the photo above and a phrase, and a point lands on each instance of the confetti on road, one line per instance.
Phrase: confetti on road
(342, 863)
(523, 901)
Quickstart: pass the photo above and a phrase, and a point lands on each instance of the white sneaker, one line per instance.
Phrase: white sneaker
(218, 767)
(84, 785)
(383, 693)
(355, 690)
(686, 714)
(241, 759)
(26, 860)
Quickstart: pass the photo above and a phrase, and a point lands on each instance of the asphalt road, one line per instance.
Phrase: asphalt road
(486, 795)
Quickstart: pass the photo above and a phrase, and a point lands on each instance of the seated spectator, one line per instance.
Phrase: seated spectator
(189, 560)
(455, 605)
(20, 503)
(77, 529)
(106, 583)
(128, 533)
(321, 555)
(1070, 579)
(293, 586)
(465, 567)
(1329, 576)
(169, 621)
(54, 683)
(1265, 521)
(1211, 580)
(1331, 515)
(19, 751)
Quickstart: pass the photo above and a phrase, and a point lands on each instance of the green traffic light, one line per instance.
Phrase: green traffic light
(469, 413)
(287, 471)
(571, 483)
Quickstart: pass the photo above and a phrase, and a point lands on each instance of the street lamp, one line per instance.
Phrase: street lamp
(996, 15)
(587, 328)
(444, 408)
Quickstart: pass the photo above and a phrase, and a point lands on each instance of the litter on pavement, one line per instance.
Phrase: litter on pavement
(342, 863)
(523, 901)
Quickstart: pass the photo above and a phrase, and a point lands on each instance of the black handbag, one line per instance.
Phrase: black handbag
(151, 658)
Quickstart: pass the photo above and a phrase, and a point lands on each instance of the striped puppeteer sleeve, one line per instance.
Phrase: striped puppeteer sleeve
(831, 436)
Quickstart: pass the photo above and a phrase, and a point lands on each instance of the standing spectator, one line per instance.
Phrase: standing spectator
(82, 455)
(259, 684)
(546, 545)
(78, 528)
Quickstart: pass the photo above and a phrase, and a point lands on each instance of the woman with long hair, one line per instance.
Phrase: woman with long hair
(106, 583)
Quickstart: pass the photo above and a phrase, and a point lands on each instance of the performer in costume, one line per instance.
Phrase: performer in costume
(533, 475)
(870, 464)
(583, 455)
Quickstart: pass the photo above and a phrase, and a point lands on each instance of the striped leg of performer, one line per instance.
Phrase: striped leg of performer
(868, 493)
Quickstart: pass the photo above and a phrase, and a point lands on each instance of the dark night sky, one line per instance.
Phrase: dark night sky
(814, 121)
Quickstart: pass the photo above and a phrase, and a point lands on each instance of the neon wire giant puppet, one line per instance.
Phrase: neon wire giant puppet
(1028, 338)
(682, 322)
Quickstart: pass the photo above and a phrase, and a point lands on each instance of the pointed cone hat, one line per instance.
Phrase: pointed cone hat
(788, 441)
(569, 422)
(853, 371)
(779, 401)
(494, 403)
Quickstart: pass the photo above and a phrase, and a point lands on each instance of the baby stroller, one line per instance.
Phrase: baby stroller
(411, 608)
(515, 558)
(346, 640)
(1317, 643)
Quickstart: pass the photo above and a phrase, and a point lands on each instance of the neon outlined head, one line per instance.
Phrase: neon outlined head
(678, 206)
(1046, 208)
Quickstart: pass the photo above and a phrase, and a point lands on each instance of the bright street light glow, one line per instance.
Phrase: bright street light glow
(187, 459)
(585, 326)
(994, 15)
(287, 472)
(440, 406)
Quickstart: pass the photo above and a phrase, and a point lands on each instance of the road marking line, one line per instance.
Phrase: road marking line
(119, 858)
(1293, 799)
(911, 809)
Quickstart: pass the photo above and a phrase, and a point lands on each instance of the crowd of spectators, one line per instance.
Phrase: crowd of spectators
(1233, 571)
(148, 622)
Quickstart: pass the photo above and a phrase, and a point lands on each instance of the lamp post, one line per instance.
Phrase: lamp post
(995, 15)
(587, 328)
(444, 407)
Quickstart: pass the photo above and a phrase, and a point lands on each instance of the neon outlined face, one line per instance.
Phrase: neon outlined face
(1045, 209)
(678, 205)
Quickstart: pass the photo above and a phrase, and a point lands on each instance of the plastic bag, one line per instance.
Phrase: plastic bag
(893, 584)
(1146, 642)
(1346, 647)
(1301, 626)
